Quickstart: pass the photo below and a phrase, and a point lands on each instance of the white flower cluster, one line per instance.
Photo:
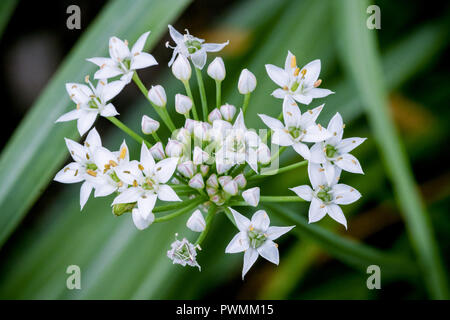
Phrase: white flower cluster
(208, 163)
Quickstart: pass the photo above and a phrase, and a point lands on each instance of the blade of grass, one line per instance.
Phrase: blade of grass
(360, 56)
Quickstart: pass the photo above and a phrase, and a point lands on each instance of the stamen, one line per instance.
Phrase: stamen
(120, 184)
(339, 159)
(285, 88)
(91, 173)
(289, 113)
(76, 172)
(343, 126)
(123, 153)
(293, 62)
(303, 72)
(65, 170)
(102, 83)
(86, 79)
(310, 112)
(74, 86)
(320, 127)
(141, 167)
(135, 184)
(317, 83)
(251, 228)
(126, 171)
(321, 170)
(78, 106)
(112, 163)
(136, 54)
(276, 245)
(296, 71)
(102, 66)
(322, 206)
(353, 161)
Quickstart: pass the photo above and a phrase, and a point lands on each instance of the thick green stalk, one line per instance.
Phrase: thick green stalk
(209, 217)
(128, 131)
(189, 93)
(173, 206)
(281, 170)
(218, 93)
(246, 102)
(201, 88)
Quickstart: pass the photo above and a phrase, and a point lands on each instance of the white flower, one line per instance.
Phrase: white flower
(228, 111)
(251, 196)
(297, 128)
(147, 182)
(247, 82)
(149, 125)
(216, 69)
(255, 237)
(157, 95)
(122, 61)
(196, 222)
(334, 152)
(181, 68)
(183, 252)
(83, 165)
(91, 101)
(183, 104)
(192, 47)
(215, 114)
(301, 84)
(326, 197)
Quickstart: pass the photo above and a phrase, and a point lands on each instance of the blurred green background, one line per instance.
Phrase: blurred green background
(391, 86)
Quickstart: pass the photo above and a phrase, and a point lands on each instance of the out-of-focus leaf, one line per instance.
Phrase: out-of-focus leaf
(6, 9)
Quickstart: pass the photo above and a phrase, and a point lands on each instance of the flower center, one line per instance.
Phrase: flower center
(324, 194)
(330, 151)
(294, 86)
(183, 252)
(256, 237)
(148, 184)
(295, 132)
(91, 166)
(93, 104)
(193, 45)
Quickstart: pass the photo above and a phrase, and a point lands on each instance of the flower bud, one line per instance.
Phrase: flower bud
(240, 180)
(216, 69)
(157, 151)
(224, 180)
(218, 199)
(186, 169)
(157, 95)
(174, 148)
(181, 68)
(228, 111)
(263, 154)
(183, 104)
(183, 135)
(201, 130)
(197, 182)
(204, 169)
(199, 156)
(196, 222)
(247, 82)
(223, 167)
(189, 125)
(214, 115)
(231, 188)
(149, 125)
(212, 181)
(251, 196)
(121, 208)
(211, 191)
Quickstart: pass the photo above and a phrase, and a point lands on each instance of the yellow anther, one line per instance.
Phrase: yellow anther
(321, 170)
(126, 171)
(87, 156)
(76, 172)
(120, 184)
(74, 86)
(343, 126)
(285, 88)
(320, 127)
(335, 133)
(112, 163)
(86, 79)
(102, 66)
(78, 106)
(123, 153)
(251, 228)
(91, 173)
(296, 71)
(86, 144)
(141, 167)
(339, 159)
(322, 206)
(65, 170)
(310, 112)
(353, 161)
(303, 72)
(135, 184)
(289, 113)
(317, 83)
(338, 197)
(351, 190)
(136, 54)
(276, 245)
(102, 83)
(293, 62)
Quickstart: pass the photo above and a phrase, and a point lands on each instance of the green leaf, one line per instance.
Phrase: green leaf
(360, 55)
(37, 150)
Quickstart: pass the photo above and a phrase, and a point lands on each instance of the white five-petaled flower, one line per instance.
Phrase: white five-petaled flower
(83, 165)
(91, 101)
(147, 182)
(183, 252)
(255, 237)
(192, 47)
(123, 61)
(326, 197)
(297, 128)
(301, 84)
(334, 152)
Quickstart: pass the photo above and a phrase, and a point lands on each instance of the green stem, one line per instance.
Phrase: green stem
(281, 170)
(218, 93)
(268, 199)
(246, 101)
(189, 93)
(201, 88)
(183, 210)
(156, 137)
(174, 206)
(161, 111)
(208, 220)
(128, 131)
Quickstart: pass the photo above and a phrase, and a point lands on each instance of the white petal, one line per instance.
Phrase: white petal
(140, 43)
(278, 75)
(282, 138)
(239, 122)
(251, 196)
(146, 159)
(79, 93)
(242, 223)
(214, 47)
(312, 72)
(166, 193)
(176, 36)
(107, 72)
(336, 128)
(146, 205)
(291, 113)
(109, 111)
(288, 62)
(344, 194)
(118, 50)
(72, 173)
(129, 195)
(279, 93)
(129, 172)
(269, 251)
(317, 153)
(302, 98)
(260, 220)
(85, 192)
(239, 243)
(77, 151)
(104, 190)
(335, 212)
(349, 163)
(330, 172)
(276, 232)
(93, 140)
(199, 58)
(310, 116)
(86, 120)
(142, 60)
(69, 116)
(319, 92)
(250, 257)
(196, 222)
(272, 123)
(140, 222)
(102, 157)
(316, 175)
(100, 61)
(348, 144)
(111, 90)
(302, 149)
(165, 169)
(305, 192)
(317, 210)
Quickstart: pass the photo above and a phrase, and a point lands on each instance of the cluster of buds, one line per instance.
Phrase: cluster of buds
(211, 162)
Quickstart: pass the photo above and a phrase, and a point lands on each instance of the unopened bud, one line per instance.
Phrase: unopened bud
(196, 222)
(247, 82)
(183, 104)
(199, 156)
(240, 180)
(157, 95)
(214, 115)
(216, 69)
(231, 188)
(121, 208)
(212, 181)
(157, 151)
(181, 68)
(186, 169)
(149, 125)
(174, 148)
(251, 196)
(197, 182)
(228, 111)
